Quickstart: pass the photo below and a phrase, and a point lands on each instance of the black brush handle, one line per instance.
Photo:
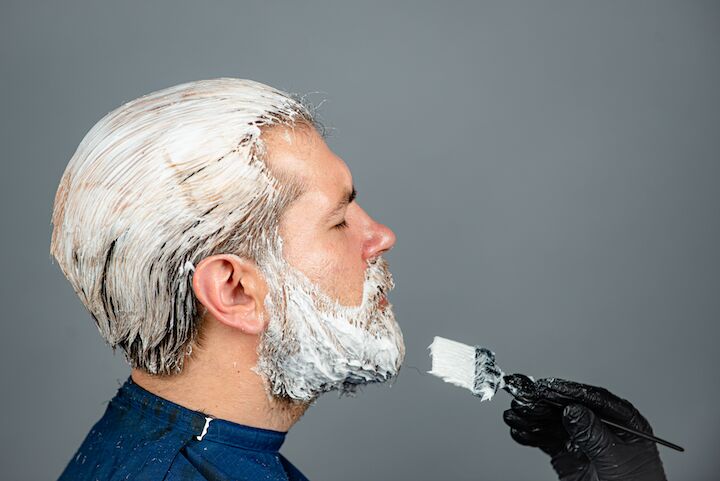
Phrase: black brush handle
(627, 429)
(519, 384)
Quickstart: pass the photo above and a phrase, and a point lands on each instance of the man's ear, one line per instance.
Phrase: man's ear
(232, 290)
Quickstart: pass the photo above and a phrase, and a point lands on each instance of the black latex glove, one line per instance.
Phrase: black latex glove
(582, 448)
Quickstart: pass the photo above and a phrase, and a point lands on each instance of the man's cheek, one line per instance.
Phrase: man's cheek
(311, 260)
(342, 282)
(323, 274)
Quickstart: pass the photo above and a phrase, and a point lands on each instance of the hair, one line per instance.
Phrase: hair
(154, 187)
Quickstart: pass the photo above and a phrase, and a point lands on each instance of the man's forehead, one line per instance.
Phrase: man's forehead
(301, 154)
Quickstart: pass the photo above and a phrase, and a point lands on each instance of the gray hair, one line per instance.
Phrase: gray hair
(154, 187)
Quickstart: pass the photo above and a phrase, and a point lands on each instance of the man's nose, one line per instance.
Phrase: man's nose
(381, 240)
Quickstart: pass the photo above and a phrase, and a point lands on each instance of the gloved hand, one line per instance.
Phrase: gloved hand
(581, 448)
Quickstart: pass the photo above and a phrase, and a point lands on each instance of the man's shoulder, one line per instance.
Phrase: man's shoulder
(125, 445)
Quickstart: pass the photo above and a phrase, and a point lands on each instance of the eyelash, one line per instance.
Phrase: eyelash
(341, 225)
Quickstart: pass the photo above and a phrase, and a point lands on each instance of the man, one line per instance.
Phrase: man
(215, 238)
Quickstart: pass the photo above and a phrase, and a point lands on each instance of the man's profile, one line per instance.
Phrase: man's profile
(216, 240)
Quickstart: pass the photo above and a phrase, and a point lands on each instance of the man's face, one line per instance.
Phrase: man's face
(330, 325)
(325, 233)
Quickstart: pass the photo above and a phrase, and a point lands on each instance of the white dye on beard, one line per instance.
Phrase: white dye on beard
(313, 344)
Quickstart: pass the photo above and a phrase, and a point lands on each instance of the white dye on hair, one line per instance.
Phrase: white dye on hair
(154, 187)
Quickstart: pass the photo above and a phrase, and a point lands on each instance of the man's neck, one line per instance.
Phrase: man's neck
(224, 387)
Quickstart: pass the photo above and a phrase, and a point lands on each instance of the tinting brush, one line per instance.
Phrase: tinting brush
(474, 368)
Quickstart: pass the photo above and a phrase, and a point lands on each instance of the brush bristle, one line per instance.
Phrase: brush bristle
(470, 367)
(453, 362)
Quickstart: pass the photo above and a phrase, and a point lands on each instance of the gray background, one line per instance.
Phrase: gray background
(550, 169)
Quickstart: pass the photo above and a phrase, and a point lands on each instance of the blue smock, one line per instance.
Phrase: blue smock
(143, 436)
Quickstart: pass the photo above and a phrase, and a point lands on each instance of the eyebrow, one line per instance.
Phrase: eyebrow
(349, 197)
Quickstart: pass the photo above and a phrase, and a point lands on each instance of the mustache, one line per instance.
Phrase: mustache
(378, 279)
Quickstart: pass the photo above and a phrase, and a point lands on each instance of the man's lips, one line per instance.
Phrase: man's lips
(383, 301)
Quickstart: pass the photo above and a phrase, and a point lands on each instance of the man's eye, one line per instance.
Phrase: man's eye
(341, 225)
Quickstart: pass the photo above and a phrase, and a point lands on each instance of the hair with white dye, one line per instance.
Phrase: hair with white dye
(154, 187)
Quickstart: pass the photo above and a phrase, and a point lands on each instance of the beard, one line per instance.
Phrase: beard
(313, 344)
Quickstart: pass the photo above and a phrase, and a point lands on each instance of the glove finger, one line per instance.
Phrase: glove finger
(514, 420)
(554, 431)
(537, 410)
(599, 399)
(524, 438)
(570, 465)
(552, 444)
(587, 431)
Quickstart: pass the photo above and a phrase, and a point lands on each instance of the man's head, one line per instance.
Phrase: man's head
(217, 202)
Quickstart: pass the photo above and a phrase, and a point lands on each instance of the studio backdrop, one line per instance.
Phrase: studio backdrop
(551, 170)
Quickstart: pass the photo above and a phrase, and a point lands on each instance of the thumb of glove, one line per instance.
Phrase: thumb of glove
(587, 431)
